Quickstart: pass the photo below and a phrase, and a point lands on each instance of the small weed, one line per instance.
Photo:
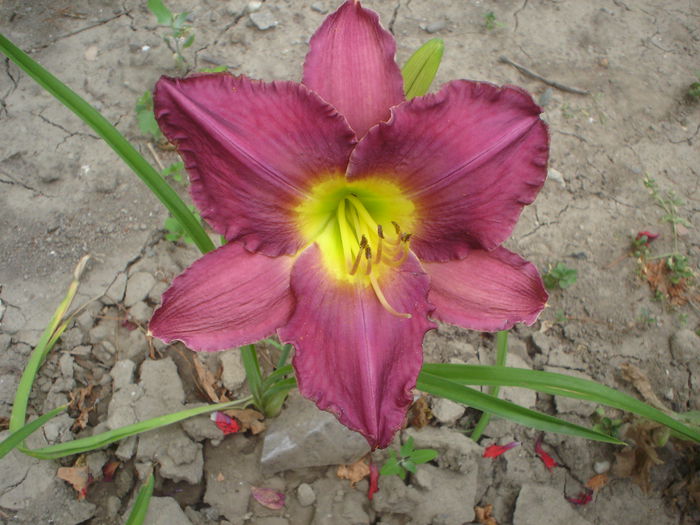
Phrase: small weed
(407, 460)
(146, 118)
(215, 69)
(646, 320)
(694, 89)
(606, 425)
(174, 228)
(181, 35)
(560, 277)
(176, 171)
(560, 317)
(490, 21)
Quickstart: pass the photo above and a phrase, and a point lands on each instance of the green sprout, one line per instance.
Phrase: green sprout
(407, 460)
(560, 277)
(176, 171)
(606, 425)
(146, 119)
(490, 22)
(175, 231)
(181, 35)
(694, 89)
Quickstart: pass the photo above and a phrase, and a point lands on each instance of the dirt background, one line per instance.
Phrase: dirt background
(63, 194)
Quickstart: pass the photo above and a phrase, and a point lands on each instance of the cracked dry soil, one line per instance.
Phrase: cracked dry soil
(63, 193)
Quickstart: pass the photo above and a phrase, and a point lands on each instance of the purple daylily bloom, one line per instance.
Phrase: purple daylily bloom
(353, 217)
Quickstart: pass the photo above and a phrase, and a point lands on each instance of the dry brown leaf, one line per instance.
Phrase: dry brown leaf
(657, 274)
(483, 515)
(635, 462)
(250, 419)
(81, 400)
(597, 482)
(420, 414)
(355, 472)
(78, 477)
(206, 380)
(640, 381)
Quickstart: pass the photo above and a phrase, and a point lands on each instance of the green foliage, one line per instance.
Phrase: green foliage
(606, 425)
(694, 90)
(181, 35)
(215, 69)
(420, 69)
(407, 460)
(176, 171)
(268, 393)
(146, 118)
(174, 228)
(490, 21)
(140, 509)
(678, 267)
(560, 277)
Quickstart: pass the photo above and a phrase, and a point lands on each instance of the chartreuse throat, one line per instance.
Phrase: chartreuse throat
(362, 228)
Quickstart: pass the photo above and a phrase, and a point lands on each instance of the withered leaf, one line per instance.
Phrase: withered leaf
(658, 275)
(78, 477)
(269, 498)
(635, 462)
(420, 414)
(250, 419)
(640, 381)
(483, 515)
(597, 482)
(355, 472)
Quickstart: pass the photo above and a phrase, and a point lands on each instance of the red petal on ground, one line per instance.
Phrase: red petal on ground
(583, 498)
(226, 424)
(269, 498)
(494, 451)
(546, 458)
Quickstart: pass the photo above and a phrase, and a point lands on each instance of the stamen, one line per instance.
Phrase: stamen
(361, 210)
(358, 257)
(380, 242)
(382, 299)
(368, 256)
(380, 231)
(396, 227)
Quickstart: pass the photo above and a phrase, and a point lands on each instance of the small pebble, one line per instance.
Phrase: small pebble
(434, 27)
(601, 467)
(263, 20)
(305, 495)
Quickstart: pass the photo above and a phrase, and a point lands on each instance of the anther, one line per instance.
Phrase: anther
(396, 227)
(368, 256)
(380, 231)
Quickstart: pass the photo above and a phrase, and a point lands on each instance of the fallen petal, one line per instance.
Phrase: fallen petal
(546, 458)
(494, 451)
(269, 498)
(583, 498)
(226, 424)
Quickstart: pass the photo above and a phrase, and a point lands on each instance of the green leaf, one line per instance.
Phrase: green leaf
(391, 467)
(145, 117)
(557, 384)
(423, 455)
(420, 69)
(409, 465)
(180, 20)
(162, 13)
(438, 386)
(15, 438)
(170, 199)
(78, 446)
(407, 447)
(253, 375)
(501, 356)
(188, 41)
(140, 509)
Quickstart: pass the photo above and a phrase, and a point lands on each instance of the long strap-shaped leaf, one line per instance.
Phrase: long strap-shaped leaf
(439, 386)
(14, 439)
(556, 384)
(117, 142)
(140, 509)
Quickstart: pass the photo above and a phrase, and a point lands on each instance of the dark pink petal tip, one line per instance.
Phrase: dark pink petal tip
(351, 65)
(228, 298)
(470, 157)
(252, 150)
(487, 291)
(354, 358)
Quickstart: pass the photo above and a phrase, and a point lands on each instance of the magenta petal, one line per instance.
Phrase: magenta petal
(252, 150)
(354, 358)
(351, 65)
(486, 290)
(470, 156)
(229, 297)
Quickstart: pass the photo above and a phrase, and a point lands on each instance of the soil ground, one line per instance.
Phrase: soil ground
(64, 194)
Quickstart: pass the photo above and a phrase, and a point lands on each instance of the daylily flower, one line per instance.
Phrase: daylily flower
(353, 218)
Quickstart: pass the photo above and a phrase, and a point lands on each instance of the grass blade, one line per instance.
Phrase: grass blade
(52, 332)
(252, 374)
(501, 356)
(86, 444)
(15, 438)
(439, 386)
(116, 141)
(558, 384)
(140, 509)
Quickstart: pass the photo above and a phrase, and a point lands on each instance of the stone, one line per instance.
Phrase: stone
(305, 495)
(57, 430)
(140, 312)
(127, 448)
(202, 427)
(165, 511)
(338, 504)
(138, 286)
(434, 27)
(520, 396)
(122, 374)
(449, 499)
(95, 461)
(541, 342)
(446, 411)
(161, 381)
(120, 411)
(65, 364)
(395, 496)
(233, 374)
(115, 293)
(685, 347)
(304, 436)
(8, 387)
(601, 467)
(544, 505)
(263, 20)
(71, 338)
(455, 450)
(567, 405)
